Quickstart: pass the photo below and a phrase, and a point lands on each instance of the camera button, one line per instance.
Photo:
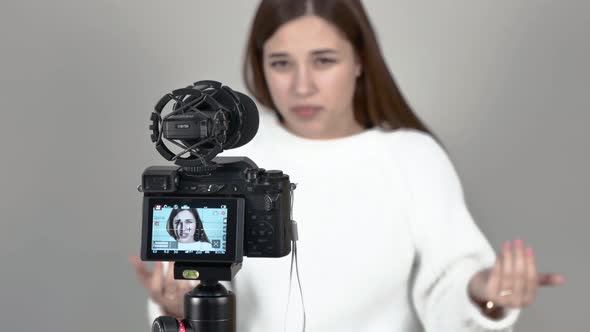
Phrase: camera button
(268, 249)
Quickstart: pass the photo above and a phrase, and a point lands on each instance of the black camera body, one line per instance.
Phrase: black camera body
(257, 201)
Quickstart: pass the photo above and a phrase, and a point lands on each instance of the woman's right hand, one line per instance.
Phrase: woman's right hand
(163, 290)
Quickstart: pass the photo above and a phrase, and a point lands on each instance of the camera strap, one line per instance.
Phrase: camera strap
(295, 233)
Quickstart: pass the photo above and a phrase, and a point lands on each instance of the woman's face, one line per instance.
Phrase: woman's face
(184, 224)
(311, 71)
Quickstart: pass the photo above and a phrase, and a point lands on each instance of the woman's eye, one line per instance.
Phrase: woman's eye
(279, 64)
(324, 62)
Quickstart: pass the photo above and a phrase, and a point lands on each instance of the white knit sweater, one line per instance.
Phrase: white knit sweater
(386, 242)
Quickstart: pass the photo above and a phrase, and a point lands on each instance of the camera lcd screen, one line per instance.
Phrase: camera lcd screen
(191, 229)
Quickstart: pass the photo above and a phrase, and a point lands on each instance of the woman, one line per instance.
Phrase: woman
(386, 241)
(185, 226)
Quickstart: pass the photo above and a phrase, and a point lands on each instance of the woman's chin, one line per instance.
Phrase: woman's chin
(312, 130)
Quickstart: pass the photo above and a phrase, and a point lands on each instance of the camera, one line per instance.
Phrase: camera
(245, 211)
(207, 212)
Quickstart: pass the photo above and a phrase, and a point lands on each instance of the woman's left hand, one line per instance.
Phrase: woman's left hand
(513, 280)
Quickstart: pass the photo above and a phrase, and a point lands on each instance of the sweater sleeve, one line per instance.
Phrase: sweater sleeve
(153, 309)
(450, 248)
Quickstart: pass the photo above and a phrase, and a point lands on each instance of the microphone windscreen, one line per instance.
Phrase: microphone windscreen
(250, 121)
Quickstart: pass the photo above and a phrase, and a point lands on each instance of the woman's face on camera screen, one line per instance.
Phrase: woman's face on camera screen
(311, 70)
(184, 226)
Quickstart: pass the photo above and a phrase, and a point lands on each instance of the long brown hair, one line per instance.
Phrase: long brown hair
(377, 98)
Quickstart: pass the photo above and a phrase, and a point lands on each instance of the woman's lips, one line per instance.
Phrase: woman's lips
(306, 111)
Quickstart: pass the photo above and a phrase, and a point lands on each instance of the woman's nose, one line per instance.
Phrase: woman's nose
(304, 85)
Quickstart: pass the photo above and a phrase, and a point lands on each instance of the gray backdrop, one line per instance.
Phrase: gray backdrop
(504, 84)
